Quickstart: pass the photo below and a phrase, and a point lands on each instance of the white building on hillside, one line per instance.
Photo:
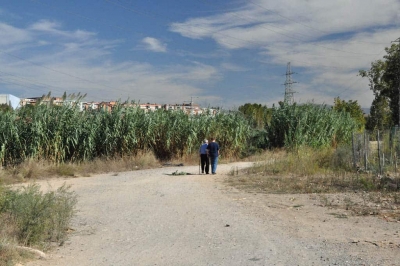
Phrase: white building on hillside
(10, 100)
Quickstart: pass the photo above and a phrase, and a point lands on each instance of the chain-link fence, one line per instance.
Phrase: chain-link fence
(377, 151)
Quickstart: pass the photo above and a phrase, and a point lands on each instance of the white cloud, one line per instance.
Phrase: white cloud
(85, 65)
(233, 67)
(328, 41)
(154, 45)
(10, 35)
(54, 28)
(269, 21)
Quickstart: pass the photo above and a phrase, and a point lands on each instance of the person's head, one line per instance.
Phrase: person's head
(212, 139)
(205, 141)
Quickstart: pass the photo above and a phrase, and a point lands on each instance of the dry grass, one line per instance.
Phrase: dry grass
(316, 172)
(32, 170)
(41, 169)
(10, 255)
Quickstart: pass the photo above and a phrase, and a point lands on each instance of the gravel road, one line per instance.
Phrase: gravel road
(149, 217)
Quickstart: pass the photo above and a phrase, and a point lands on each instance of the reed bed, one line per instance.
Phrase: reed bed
(62, 134)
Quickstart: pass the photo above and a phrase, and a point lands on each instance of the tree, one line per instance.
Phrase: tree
(258, 115)
(380, 116)
(353, 108)
(384, 81)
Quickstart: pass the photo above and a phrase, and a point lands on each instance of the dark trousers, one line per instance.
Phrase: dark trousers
(205, 163)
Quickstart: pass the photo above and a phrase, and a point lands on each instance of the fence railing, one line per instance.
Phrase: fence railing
(377, 152)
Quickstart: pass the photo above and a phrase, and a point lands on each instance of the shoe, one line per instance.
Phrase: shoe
(214, 173)
(206, 173)
(202, 172)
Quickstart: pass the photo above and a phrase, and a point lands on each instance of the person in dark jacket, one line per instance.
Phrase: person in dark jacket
(205, 161)
(213, 153)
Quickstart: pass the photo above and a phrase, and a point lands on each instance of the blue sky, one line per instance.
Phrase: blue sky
(216, 53)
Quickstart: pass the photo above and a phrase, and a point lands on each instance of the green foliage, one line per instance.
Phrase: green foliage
(294, 126)
(5, 108)
(380, 116)
(257, 114)
(367, 183)
(61, 134)
(353, 108)
(384, 81)
(64, 134)
(342, 158)
(38, 217)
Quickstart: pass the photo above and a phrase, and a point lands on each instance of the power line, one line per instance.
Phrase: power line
(261, 24)
(169, 20)
(155, 17)
(297, 22)
(158, 16)
(54, 7)
(351, 86)
(51, 69)
(31, 81)
(287, 18)
(140, 33)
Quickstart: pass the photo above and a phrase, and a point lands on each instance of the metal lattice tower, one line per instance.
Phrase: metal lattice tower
(289, 99)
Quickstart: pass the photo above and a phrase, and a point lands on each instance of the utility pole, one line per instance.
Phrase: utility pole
(398, 79)
(191, 100)
(289, 99)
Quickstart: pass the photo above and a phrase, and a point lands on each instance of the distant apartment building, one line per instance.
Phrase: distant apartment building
(10, 100)
(59, 101)
(43, 100)
(188, 108)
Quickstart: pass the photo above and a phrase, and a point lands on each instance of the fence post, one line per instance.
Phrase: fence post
(379, 154)
(391, 143)
(395, 143)
(354, 153)
(365, 151)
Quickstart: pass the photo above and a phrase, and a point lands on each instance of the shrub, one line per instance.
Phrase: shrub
(38, 218)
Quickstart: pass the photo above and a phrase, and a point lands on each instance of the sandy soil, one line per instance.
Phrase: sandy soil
(148, 217)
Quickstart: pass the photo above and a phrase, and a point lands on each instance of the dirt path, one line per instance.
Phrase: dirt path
(149, 218)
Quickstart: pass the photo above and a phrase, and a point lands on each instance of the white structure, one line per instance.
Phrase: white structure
(10, 100)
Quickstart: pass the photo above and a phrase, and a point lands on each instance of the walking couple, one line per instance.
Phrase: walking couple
(209, 152)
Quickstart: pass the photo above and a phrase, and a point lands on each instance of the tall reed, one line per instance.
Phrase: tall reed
(64, 134)
(294, 126)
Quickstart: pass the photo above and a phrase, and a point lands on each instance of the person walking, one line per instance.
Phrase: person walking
(205, 161)
(213, 153)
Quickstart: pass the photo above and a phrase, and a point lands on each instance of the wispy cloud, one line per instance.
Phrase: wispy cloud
(85, 65)
(217, 57)
(329, 40)
(53, 27)
(154, 45)
(10, 35)
(233, 67)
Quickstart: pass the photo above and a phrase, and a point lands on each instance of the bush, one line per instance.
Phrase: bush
(342, 158)
(38, 218)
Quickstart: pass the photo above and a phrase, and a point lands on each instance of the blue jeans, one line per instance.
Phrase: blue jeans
(214, 163)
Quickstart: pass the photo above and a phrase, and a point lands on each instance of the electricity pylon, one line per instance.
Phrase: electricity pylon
(289, 99)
